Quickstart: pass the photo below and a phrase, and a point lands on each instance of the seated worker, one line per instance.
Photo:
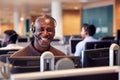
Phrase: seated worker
(9, 40)
(87, 33)
(44, 31)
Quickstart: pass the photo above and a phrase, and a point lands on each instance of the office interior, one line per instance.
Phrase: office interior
(70, 15)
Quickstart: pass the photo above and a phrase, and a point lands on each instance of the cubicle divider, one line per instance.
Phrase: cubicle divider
(34, 63)
(66, 66)
(96, 73)
(101, 57)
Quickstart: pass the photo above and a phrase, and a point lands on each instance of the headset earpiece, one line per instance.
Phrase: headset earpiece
(33, 29)
(85, 32)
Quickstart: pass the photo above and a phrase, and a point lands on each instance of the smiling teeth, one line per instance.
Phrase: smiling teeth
(44, 39)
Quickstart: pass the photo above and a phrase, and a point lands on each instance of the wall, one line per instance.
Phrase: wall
(5, 26)
(71, 22)
(101, 17)
(116, 15)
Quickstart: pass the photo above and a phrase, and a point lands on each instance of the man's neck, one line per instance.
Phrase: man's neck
(40, 48)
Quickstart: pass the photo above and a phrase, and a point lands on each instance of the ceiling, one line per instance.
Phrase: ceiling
(29, 7)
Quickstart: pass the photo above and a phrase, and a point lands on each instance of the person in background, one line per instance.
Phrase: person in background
(87, 33)
(9, 40)
(44, 31)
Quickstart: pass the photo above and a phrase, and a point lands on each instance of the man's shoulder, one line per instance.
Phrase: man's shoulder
(81, 43)
(21, 52)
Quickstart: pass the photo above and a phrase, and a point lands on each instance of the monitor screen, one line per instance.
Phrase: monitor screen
(32, 63)
(73, 42)
(99, 44)
(22, 39)
(8, 51)
(118, 37)
(95, 57)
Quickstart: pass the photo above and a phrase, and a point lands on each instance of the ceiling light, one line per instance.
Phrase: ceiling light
(21, 19)
(83, 1)
(76, 8)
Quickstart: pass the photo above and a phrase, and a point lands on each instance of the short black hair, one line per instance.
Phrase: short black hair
(12, 36)
(89, 28)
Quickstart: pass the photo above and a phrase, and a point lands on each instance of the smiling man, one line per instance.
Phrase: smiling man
(44, 31)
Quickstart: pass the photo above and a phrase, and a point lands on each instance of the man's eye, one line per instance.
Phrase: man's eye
(49, 30)
(41, 29)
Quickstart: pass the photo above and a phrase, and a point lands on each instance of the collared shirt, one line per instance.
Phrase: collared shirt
(81, 45)
(31, 51)
(11, 46)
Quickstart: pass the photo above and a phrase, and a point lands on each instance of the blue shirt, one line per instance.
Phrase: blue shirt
(81, 45)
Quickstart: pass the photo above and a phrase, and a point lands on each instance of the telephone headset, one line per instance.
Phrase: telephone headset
(86, 26)
(86, 30)
(33, 29)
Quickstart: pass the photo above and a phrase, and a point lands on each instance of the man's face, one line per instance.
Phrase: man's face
(44, 31)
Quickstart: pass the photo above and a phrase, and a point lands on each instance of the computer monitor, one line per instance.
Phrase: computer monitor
(22, 39)
(95, 57)
(24, 64)
(32, 63)
(8, 51)
(98, 73)
(66, 39)
(118, 37)
(98, 44)
(107, 38)
(73, 42)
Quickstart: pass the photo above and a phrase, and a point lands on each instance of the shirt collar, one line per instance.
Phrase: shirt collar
(88, 38)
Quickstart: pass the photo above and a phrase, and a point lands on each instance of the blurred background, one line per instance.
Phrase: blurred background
(70, 14)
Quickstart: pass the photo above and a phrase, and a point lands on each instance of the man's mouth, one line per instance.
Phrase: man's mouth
(45, 39)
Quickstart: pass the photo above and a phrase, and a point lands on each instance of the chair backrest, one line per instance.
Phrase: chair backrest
(98, 44)
(107, 38)
(64, 63)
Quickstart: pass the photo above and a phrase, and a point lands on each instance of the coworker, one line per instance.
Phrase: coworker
(43, 30)
(9, 40)
(87, 33)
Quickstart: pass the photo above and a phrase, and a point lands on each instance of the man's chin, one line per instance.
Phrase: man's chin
(44, 46)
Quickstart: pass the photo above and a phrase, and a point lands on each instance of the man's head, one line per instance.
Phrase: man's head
(9, 36)
(88, 30)
(44, 30)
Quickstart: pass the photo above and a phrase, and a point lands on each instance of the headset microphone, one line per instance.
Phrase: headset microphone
(37, 37)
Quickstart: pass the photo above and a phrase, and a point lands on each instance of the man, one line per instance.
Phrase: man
(44, 31)
(87, 33)
(9, 40)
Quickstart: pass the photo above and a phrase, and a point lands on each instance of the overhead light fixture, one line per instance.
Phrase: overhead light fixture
(45, 9)
(76, 8)
(21, 19)
(83, 1)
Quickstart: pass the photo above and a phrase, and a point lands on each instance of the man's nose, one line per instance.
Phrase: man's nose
(45, 32)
